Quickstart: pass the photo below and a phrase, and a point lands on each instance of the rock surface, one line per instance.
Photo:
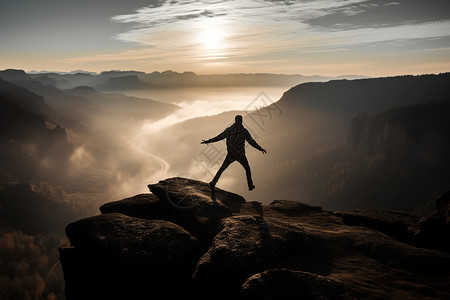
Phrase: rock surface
(433, 231)
(394, 224)
(285, 283)
(293, 207)
(247, 245)
(195, 206)
(180, 241)
(145, 206)
(443, 206)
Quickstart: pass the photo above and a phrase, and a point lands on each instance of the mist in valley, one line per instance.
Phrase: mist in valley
(123, 152)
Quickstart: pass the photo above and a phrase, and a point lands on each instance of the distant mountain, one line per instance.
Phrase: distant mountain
(14, 75)
(350, 97)
(131, 82)
(24, 98)
(78, 106)
(134, 79)
(34, 72)
(83, 91)
(191, 79)
(138, 108)
(72, 79)
(20, 77)
(332, 105)
(112, 74)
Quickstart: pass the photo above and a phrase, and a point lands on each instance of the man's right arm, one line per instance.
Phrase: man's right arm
(217, 138)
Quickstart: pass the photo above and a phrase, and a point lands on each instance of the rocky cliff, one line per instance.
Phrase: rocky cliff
(417, 132)
(182, 239)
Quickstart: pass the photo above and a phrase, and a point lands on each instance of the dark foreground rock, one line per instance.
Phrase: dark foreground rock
(443, 206)
(284, 284)
(247, 245)
(433, 231)
(184, 241)
(117, 256)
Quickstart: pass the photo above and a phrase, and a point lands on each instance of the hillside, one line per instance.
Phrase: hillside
(215, 243)
(28, 137)
(351, 97)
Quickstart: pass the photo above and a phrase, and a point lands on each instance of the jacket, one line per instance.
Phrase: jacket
(236, 135)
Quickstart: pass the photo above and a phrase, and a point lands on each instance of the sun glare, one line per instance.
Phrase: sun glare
(212, 39)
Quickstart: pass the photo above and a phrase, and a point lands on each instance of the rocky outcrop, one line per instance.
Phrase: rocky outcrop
(183, 241)
(418, 132)
(195, 206)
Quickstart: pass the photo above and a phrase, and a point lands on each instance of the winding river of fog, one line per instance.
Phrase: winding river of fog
(194, 103)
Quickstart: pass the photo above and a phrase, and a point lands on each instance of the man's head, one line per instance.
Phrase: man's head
(238, 119)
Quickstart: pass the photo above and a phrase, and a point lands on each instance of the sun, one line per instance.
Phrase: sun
(212, 38)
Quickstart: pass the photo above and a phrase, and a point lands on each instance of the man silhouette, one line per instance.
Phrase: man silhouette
(235, 135)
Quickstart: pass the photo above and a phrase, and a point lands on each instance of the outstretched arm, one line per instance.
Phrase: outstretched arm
(252, 142)
(216, 139)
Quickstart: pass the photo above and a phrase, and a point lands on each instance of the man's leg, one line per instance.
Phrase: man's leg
(244, 162)
(228, 160)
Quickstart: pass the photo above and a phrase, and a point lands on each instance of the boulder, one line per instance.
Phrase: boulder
(431, 231)
(443, 206)
(293, 207)
(288, 284)
(195, 206)
(120, 256)
(144, 206)
(244, 246)
(391, 223)
(253, 208)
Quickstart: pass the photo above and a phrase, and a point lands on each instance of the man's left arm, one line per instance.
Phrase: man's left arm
(254, 144)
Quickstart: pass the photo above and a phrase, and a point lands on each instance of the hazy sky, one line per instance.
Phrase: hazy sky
(325, 37)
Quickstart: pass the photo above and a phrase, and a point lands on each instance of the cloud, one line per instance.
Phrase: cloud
(271, 26)
(239, 35)
(381, 13)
